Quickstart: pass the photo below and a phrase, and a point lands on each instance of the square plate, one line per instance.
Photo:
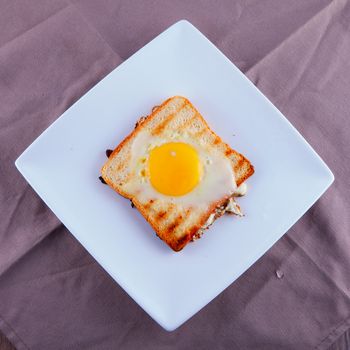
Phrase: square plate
(63, 165)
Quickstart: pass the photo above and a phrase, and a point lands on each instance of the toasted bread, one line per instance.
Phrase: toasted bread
(173, 222)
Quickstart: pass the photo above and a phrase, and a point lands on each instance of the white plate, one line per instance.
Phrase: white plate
(63, 165)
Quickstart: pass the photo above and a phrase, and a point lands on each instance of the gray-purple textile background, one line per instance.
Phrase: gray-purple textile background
(53, 295)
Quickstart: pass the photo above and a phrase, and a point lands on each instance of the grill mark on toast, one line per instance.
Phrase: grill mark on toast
(161, 126)
(200, 133)
(165, 214)
(189, 121)
(149, 204)
(174, 224)
(169, 210)
(161, 215)
(120, 166)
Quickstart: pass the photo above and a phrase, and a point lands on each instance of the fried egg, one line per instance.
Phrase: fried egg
(179, 168)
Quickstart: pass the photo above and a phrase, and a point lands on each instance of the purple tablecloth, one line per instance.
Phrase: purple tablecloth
(53, 295)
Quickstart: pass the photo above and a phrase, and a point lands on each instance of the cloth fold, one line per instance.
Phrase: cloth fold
(38, 62)
(53, 295)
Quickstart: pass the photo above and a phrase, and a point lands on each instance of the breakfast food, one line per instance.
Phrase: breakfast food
(177, 172)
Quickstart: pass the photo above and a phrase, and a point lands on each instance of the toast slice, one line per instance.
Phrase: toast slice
(174, 221)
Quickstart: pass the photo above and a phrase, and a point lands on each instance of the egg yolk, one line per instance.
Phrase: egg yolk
(174, 168)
